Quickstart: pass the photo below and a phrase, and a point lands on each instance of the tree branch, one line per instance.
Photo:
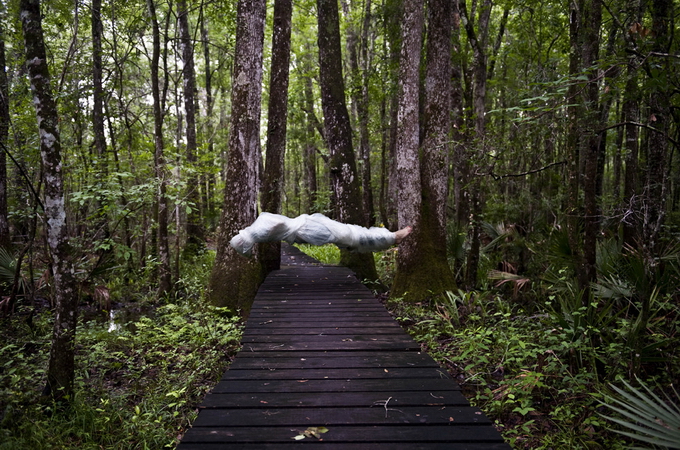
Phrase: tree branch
(529, 172)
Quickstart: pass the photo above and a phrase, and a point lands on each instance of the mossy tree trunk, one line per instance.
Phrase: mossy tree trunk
(423, 270)
(234, 279)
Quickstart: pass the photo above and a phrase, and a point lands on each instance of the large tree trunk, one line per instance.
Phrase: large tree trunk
(195, 235)
(161, 207)
(234, 280)
(338, 133)
(409, 190)
(5, 238)
(273, 180)
(427, 272)
(60, 373)
(591, 19)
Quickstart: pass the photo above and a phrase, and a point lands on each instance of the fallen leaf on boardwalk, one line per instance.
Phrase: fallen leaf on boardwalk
(451, 419)
(302, 381)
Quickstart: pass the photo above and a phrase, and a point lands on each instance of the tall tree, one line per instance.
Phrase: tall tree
(338, 134)
(272, 181)
(60, 372)
(5, 238)
(583, 139)
(428, 272)
(660, 115)
(195, 235)
(478, 39)
(234, 280)
(409, 190)
(161, 204)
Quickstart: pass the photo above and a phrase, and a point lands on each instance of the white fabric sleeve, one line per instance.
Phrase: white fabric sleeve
(316, 229)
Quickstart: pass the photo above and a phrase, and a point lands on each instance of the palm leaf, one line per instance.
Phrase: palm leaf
(646, 417)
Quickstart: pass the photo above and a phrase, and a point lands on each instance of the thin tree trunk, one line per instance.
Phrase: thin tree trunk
(234, 280)
(208, 178)
(60, 372)
(5, 238)
(338, 133)
(309, 150)
(195, 234)
(164, 270)
(273, 179)
(660, 112)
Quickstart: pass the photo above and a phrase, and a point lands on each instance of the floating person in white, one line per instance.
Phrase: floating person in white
(316, 229)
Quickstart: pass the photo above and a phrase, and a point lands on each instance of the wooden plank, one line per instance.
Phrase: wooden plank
(346, 345)
(323, 445)
(333, 374)
(390, 385)
(348, 434)
(335, 399)
(333, 353)
(323, 323)
(306, 417)
(392, 359)
(330, 339)
(275, 329)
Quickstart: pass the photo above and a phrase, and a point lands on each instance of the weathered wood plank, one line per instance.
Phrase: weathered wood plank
(324, 445)
(390, 385)
(288, 329)
(392, 359)
(348, 434)
(306, 417)
(334, 374)
(334, 399)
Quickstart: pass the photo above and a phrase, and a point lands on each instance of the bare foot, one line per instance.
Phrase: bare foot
(401, 234)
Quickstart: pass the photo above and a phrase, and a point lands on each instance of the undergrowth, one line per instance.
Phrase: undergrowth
(137, 384)
(542, 383)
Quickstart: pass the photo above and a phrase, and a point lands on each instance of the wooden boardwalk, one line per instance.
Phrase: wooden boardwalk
(321, 353)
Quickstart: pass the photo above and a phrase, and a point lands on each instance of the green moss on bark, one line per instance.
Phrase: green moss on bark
(234, 281)
(426, 274)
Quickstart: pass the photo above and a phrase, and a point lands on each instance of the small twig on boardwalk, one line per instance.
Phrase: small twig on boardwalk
(384, 404)
(267, 322)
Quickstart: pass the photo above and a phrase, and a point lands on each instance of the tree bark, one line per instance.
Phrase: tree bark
(5, 238)
(101, 167)
(234, 280)
(426, 272)
(338, 133)
(161, 213)
(409, 187)
(195, 233)
(60, 372)
(660, 112)
(273, 179)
